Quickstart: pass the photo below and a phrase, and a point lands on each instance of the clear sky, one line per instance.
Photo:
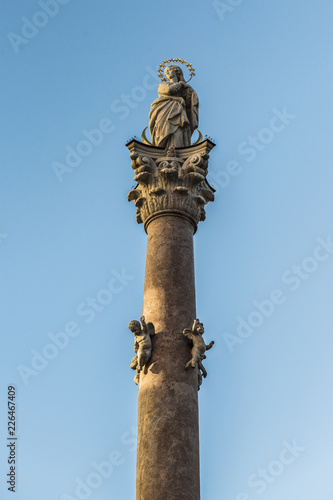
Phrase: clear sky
(264, 255)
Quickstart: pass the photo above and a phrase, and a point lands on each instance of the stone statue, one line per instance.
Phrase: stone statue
(173, 115)
(198, 349)
(142, 344)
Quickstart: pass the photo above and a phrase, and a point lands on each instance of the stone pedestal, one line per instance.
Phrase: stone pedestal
(170, 197)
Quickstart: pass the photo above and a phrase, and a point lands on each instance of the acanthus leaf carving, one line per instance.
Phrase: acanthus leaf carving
(170, 180)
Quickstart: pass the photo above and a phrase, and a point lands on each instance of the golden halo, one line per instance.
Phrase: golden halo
(181, 61)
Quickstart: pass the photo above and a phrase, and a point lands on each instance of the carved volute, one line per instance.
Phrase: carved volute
(170, 181)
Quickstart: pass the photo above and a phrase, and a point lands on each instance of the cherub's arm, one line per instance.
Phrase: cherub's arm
(144, 324)
(195, 325)
(210, 345)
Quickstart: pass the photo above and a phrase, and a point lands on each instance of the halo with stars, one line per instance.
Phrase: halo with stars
(181, 61)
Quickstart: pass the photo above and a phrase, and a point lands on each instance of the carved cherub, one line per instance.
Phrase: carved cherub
(142, 344)
(198, 348)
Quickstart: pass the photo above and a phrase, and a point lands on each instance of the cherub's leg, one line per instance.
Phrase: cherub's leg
(188, 365)
(196, 355)
(202, 368)
(141, 359)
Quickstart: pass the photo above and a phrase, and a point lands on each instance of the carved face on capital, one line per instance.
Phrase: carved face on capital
(173, 71)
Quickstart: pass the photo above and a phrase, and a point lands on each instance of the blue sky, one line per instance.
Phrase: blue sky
(264, 255)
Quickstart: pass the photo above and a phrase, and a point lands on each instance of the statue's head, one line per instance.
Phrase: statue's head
(198, 327)
(134, 326)
(172, 70)
(201, 329)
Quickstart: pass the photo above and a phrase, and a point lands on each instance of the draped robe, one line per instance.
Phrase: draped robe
(173, 115)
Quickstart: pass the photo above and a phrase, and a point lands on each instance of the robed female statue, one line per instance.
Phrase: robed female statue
(173, 115)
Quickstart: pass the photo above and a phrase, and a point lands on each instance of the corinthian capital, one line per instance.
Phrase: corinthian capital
(170, 181)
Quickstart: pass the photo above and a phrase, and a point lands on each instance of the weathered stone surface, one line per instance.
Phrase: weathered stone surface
(170, 181)
(168, 435)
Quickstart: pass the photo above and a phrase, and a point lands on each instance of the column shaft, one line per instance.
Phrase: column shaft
(168, 434)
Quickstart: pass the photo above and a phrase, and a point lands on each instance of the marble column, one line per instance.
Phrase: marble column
(170, 196)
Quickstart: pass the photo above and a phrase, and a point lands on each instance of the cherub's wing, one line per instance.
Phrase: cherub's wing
(150, 329)
(188, 334)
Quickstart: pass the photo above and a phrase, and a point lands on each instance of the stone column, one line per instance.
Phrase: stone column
(170, 197)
